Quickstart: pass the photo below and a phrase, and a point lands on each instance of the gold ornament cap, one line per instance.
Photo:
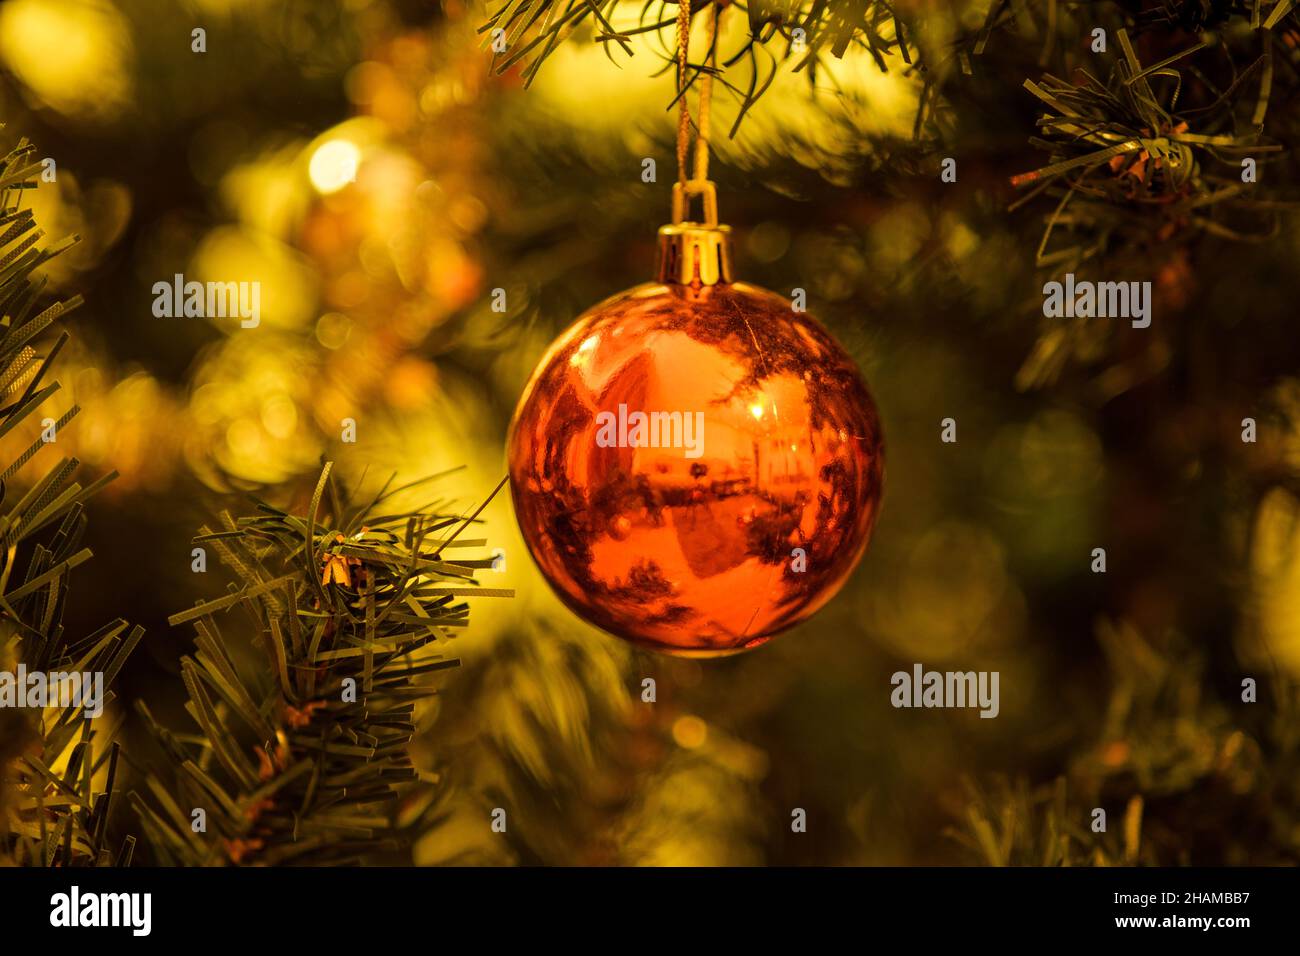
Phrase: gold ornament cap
(694, 253)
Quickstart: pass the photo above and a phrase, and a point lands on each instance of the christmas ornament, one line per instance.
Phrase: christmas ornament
(695, 464)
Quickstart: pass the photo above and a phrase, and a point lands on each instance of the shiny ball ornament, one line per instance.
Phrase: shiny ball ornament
(695, 465)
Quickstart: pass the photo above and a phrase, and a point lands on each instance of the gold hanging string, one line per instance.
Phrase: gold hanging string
(706, 99)
(698, 184)
(683, 111)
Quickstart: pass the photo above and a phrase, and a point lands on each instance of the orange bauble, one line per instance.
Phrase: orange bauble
(695, 465)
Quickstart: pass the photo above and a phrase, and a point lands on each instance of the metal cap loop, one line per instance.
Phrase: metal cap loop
(682, 193)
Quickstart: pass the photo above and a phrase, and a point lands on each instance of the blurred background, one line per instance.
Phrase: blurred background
(361, 161)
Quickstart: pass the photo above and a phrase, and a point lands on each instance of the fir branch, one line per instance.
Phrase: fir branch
(303, 753)
(1131, 164)
(534, 29)
(1171, 761)
(52, 810)
(1193, 16)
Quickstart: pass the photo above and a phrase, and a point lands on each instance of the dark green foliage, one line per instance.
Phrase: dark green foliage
(1145, 147)
(53, 809)
(300, 754)
(1172, 766)
(533, 29)
(1150, 152)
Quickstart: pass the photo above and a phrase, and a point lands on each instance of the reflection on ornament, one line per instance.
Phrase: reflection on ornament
(697, 541)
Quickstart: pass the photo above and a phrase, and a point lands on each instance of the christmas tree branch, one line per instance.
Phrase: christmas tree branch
(57, 777)
(301, 755)
(527, 32)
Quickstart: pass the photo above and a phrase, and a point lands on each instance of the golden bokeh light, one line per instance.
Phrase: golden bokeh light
(334, 165)
(91, 73)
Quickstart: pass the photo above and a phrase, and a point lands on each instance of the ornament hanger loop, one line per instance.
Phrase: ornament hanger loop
(682, 193)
